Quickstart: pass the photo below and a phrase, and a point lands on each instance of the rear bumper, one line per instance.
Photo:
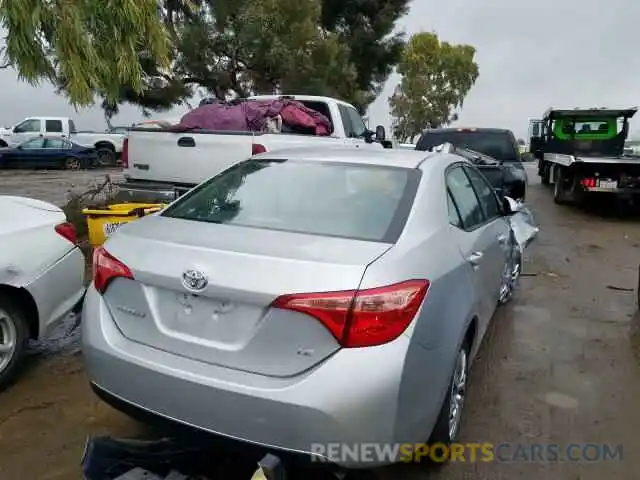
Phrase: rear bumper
(617, 191)
(353, 398)
(59, 290)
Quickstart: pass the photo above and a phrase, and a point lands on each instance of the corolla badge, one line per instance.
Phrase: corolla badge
(194, 280)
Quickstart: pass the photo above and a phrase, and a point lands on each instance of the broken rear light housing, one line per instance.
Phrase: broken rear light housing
(258, 148)
(68, 231)
(362, 318)
(106, 268)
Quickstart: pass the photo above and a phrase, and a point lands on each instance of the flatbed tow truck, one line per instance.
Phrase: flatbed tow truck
(581, 152)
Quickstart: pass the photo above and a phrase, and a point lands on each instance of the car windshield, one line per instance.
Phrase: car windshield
(365, 202)
(498, 145)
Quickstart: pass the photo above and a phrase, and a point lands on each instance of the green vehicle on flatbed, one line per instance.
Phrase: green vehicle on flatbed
(582, 152)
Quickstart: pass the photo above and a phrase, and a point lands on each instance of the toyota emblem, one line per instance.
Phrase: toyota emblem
(194, 280)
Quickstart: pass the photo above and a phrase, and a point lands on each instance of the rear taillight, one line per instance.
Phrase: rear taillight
(257, 148)
(68, 231)
(106, 268)
(124, 158)
(362, 318)
(589, 182)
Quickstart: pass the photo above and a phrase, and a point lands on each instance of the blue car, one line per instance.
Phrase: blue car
(43, 152)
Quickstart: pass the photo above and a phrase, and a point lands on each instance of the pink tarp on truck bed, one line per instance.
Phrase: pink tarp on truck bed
(252, 116)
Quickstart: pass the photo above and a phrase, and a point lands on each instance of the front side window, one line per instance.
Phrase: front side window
(357, 123)
(334, 199)
(28, 126)
(346, 122)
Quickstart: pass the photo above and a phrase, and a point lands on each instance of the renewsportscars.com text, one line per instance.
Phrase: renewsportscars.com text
(467, 452)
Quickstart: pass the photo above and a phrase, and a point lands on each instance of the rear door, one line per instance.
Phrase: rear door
(475, 236)
(497, 227)
(56, 149)
(30, 153)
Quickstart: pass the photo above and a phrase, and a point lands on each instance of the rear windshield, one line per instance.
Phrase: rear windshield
(347, 200)
(498, 145)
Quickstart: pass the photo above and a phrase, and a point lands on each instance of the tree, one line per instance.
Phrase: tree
(343, 48)
(436, 77)
(366, 27)
(93, 44)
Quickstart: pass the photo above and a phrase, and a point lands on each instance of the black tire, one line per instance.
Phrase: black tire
(71, 163)
(559, 190)
(106, 156)
(12, 316)
(544, 176)
(566, 189)
(441, 434)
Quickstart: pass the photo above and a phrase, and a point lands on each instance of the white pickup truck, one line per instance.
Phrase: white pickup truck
(161, 165)
(107, 145)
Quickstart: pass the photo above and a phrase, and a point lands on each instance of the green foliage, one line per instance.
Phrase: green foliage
(158, 53)
(366, 27)
(93, 44)
(436, 77)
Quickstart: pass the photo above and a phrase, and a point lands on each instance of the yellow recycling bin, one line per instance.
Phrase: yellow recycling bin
(103, 222)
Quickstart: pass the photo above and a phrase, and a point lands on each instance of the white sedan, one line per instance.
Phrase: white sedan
(41, 276)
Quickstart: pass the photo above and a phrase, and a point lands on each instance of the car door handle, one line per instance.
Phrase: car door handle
(474, 258)
(502, 239)
(186, 142)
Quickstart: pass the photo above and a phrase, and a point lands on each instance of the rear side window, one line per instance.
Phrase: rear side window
(485, 192)
(362, 202)
(454, 216)
(496, 144)
(465, 199)
(53, 126)
(56, 143)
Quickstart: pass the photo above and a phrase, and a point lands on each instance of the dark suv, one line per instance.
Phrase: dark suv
(506, 173)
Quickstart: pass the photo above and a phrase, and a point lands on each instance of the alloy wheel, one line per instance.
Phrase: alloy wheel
(8, 339)
(458, 394)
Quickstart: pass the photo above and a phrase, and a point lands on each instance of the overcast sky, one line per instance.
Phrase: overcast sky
(532, 55)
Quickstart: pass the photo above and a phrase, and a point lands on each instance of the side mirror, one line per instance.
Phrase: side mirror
(381, 134)
(528, 157)
(510, 206)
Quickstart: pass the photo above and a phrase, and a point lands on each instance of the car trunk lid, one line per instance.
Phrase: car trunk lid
(229, 322)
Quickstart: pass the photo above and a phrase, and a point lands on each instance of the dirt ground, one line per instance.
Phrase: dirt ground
(560, 365)
(52, 185)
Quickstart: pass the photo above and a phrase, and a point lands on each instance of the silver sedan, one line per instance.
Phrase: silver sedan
(306, 297)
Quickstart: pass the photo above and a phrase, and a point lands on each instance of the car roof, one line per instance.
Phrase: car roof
(589, 112)
(385, 157)
(467, 129)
